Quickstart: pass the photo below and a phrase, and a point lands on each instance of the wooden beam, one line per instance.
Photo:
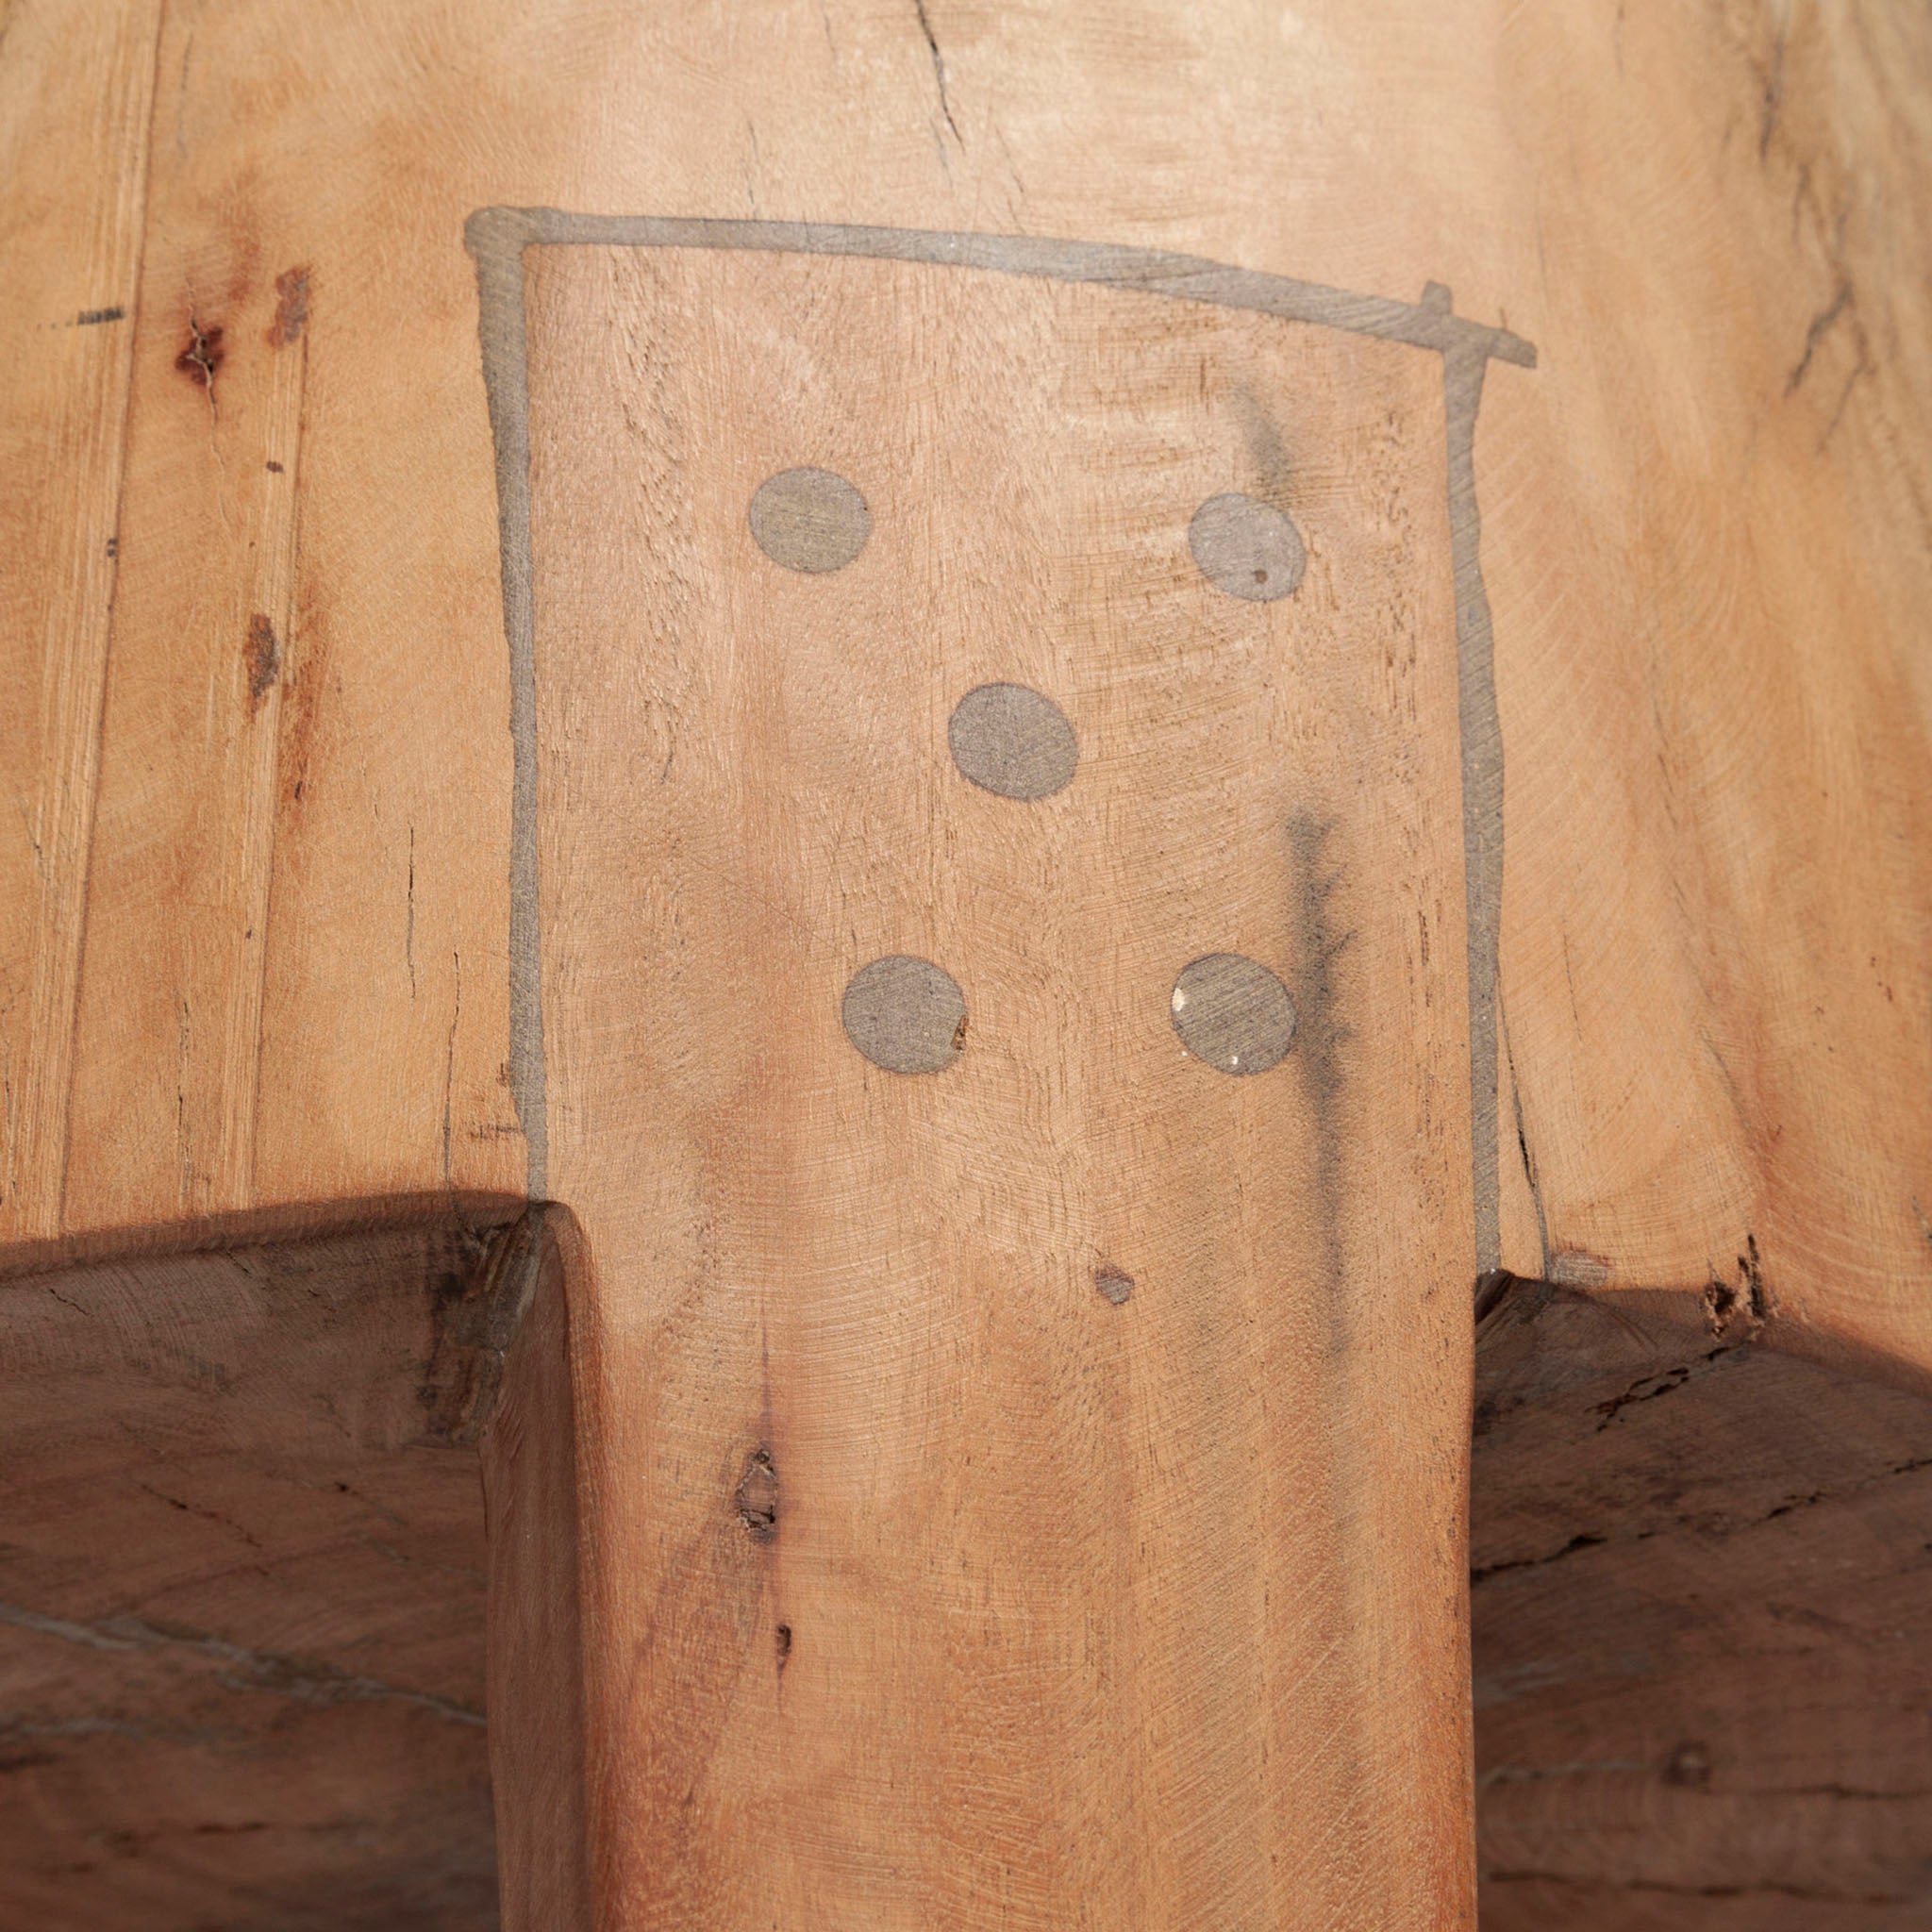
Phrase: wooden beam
(242, 1572)
(654, 618)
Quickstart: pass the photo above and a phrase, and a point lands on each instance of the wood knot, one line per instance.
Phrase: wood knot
(758, 1495)
(203, 355)
(1116, 1284)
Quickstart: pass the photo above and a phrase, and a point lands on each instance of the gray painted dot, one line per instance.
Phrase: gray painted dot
(1246, 547)
(904, 1015)
(1012, 740)
(1232, 1012)
(809, 520)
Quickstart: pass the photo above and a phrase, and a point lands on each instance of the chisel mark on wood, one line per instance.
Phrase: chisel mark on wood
(409, 923)
(262, 654)
(938, 68)
(291, 308)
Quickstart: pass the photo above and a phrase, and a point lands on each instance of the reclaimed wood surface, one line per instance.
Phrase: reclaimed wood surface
(1183, 1641)
(1699, 1575)
(243, 1578)
(1037, 1604)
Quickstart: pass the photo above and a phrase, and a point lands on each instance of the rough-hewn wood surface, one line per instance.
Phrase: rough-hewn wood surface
(257, 868)
(1701, 1583)
(1043, 1598)
(242, 1580)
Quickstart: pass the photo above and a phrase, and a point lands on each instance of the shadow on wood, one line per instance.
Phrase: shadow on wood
(242, 1571)
(245, 1555)
(1701, 1611)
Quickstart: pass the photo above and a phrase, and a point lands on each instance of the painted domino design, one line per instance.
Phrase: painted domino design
(907, 1015)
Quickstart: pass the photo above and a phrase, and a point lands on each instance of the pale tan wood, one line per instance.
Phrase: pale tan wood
(72, 236)
(1717, 887)
(1704, 535)
(1090, 1613)
(195, 772)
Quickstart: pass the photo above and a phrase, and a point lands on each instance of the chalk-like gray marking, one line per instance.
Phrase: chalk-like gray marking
(1464, 369)
(1233, 1013)
(1428, 325)
(904, 1015)
(1247, 548)
(1012, 740)
(809, 520)
(497, 243)
(498, 236)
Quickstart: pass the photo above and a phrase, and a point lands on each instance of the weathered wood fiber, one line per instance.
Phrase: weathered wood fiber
(1702, 1605)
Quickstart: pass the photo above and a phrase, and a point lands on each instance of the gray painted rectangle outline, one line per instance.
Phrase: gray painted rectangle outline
(498, 236)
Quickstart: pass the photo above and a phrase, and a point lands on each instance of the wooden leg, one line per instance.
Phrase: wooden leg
(998, 1005)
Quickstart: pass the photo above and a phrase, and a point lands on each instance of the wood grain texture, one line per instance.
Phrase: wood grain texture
(1713, 994)
(71, 224)
(1699, 1572)
(533, 1517)
(243, 1579)
(1147, 1614)
(256, 864)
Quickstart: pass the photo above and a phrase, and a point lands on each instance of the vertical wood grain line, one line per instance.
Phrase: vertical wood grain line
(268, 621)
(74, 643)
